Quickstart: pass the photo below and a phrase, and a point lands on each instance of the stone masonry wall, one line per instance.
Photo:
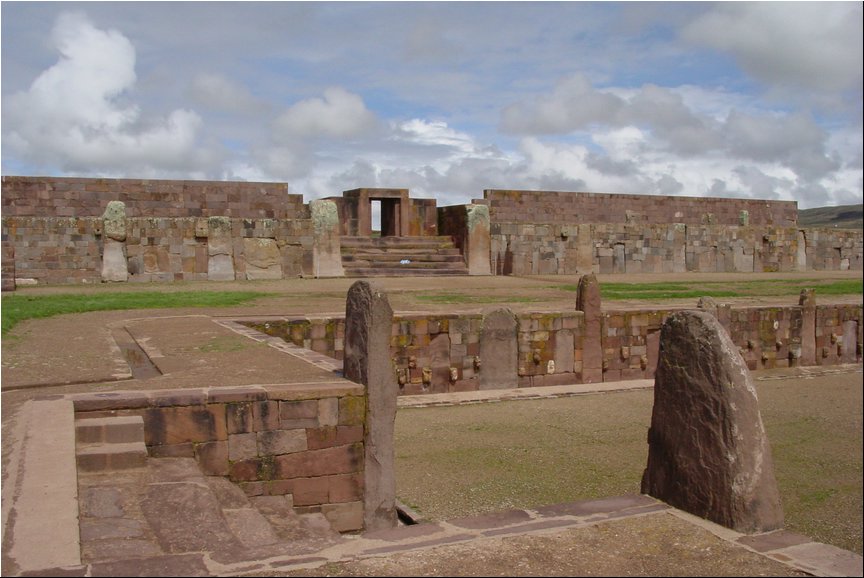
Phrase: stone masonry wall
(56, 250)
(270, 440)
(610, 248)
(551, 207)
(87, 197)
(436, 353)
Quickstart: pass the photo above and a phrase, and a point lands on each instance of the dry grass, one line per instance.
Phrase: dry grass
(472, 459)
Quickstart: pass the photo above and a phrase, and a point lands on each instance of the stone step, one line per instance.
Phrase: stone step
(399, 251)
(411, 264)
(106, 430)
(442, 242)
(401, 272)
(104, 457)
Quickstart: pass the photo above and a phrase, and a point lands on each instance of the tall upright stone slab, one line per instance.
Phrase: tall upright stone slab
(114, 267)
(478, 241)
(708, 451)
(588, 302)
(807, 302)
(326, 244)
(368, 323)
(499, 350)
(220, 249)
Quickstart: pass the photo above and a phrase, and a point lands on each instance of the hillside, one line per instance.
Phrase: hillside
(842, 217)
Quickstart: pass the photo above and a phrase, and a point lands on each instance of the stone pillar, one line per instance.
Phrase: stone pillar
(220, 249)
(114, 267)
(708, 450)
(807, 302)
(499, 350)
(585, 248)
(368, 323)
(588, 302)
(801, 251)
(8, 267)
(326, 245)
(478, 242)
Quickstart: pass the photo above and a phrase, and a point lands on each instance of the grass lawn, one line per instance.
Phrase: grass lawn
(473, 459)
(17, 308)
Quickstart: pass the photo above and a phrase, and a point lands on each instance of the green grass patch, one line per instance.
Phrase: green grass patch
(463, 298)
(17, 308)
(760, 288)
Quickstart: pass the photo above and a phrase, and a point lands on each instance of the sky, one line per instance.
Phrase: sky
(752, 100)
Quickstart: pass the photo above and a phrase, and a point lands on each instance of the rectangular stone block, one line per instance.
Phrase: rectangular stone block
(174, 425)
(278, 442)
(242, 446)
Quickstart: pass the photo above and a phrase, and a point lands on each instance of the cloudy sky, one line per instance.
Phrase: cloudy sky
(733, 99)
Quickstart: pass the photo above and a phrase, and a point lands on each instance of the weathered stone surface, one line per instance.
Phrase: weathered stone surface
(588, 301)
(114, 221)
(708, 451)
(114, 267)
(326, 245)
(220, 249)
(478, 240)
(263, 259)
(807, 302)
(499, 350)
(368, 322)
(8, 267)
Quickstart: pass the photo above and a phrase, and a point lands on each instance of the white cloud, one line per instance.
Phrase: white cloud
(217, 92)
(573, 104)
(816, 45)
(339, 114)
(76, 113)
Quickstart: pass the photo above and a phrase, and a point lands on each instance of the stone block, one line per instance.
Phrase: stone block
(174, 425)
(213, 458)
(278, 442)
(242, 446)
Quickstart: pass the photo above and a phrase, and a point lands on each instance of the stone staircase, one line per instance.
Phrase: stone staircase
(401, 256)
(147, 516)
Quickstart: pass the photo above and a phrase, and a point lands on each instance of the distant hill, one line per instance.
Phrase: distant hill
(842, 217)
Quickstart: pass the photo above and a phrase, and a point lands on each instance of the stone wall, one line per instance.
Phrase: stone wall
(437, 353)
(270, 440)
(84, 197)
(551, 207)
(610, 248)
(69, 250)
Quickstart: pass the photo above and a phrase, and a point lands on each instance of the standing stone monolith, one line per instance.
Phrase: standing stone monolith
(708, 451)
(499, 350)
(588, 302)
(807, 302)
(220, 249)
(326, 241)
(368, 323)
(114, 267)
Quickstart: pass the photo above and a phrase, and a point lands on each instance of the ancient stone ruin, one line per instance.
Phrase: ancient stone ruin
(368, 319)
(708, 451)
(74, 230)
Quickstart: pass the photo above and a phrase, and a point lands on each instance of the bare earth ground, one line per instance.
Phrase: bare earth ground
(74, 353)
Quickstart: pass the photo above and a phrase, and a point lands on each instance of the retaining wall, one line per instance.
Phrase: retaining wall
(307, 441)
(435, 353)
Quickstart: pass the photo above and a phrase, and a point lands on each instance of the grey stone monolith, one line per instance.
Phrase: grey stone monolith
(807, 302)
(588, 302)
(368, 323)
(499, 350)
(478, 243)
(708, 451)
(326, 239)
(220, 249)
(114, 266)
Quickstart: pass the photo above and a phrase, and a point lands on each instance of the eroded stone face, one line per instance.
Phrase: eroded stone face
(588, 301)
(499, 350)
(708, 451)
(368, 323)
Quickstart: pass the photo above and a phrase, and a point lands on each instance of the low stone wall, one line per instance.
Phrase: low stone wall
(304, 440)
(558, 249)
(437, 353)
